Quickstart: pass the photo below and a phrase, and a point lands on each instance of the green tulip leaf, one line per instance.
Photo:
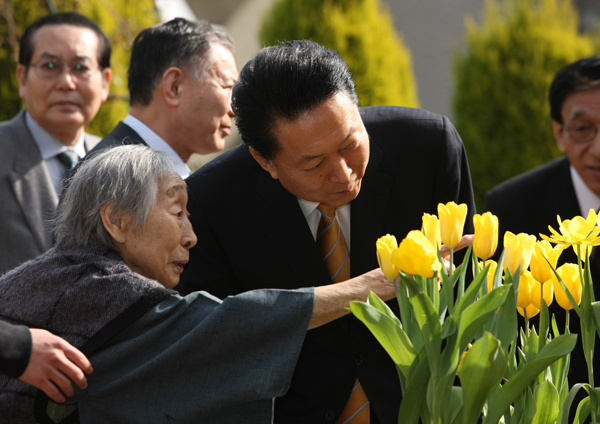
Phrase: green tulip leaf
(506, 326)
(476, 314)
(471, 293)
(413, 400)
(512, 389)
(428, 322)
(480, 371)
(596, 315)
(546, 400)
(388, 333)
(381, 306)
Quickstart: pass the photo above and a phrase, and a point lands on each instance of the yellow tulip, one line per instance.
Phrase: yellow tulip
(452, 222)
(385, 247)
(576, 231)
(569, 273)
(525, 304)
(519, 249)
(416, 256)
(486, 235)
(491, 272)
(540, 269)
(431, 228)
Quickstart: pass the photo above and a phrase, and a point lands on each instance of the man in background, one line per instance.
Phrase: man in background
(567, 186)
(180, 79)
(303, 202)
(64, 76)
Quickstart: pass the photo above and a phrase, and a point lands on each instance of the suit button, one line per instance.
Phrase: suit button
(330, 416)
(358, 359)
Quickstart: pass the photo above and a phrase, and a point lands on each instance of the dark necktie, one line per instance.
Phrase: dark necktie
(333, 248)
(69, 160)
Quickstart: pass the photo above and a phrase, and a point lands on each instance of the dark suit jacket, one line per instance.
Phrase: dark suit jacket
(252, 234)
(121, 135)
(529, 203)
(28, 198)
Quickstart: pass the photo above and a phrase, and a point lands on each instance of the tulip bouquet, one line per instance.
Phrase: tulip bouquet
(456, 347)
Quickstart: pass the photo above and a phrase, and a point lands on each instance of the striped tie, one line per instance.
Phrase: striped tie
(336, 256)
(332, 245)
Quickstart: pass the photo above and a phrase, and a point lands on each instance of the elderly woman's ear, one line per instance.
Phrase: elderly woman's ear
(118, 225)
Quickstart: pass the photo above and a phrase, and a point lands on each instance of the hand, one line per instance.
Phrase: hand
(376, 282)
(53, 364)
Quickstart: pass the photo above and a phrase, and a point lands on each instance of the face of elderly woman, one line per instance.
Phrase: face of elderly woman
(161, 249)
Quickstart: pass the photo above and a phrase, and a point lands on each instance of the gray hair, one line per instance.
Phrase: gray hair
(126, 177)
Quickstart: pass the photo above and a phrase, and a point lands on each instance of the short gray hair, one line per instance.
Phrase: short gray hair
(126, 177)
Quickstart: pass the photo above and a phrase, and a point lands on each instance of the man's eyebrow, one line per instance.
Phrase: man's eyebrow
(53, 56)
(308, 158)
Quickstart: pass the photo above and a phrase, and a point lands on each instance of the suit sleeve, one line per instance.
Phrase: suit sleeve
(15, 349)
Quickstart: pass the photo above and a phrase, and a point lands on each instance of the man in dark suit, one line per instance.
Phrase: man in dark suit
(64, 76)
(568, 186)
(256, 209)
(180, 78)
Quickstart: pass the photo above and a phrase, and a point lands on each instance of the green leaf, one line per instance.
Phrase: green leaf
(388, 333)
(596, 316)
(546, 401)
(470, 294)
(413, 399)
(429, 323)
(513, 388)
(506, 326)
(481, 370)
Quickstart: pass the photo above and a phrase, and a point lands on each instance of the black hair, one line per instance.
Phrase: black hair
(26, 46)
(180, 43)
(281, 83)
(578, 76)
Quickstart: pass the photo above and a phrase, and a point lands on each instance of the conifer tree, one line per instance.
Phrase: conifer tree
(362, 32)
(501, 88)
(121, 21)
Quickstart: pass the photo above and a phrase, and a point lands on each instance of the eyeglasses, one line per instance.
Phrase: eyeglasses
(52, 69)
(582, 132)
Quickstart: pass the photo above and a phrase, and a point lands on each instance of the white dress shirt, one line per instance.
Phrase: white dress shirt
(154, 141)
(585, 196)
(50, 147)
(313, 216)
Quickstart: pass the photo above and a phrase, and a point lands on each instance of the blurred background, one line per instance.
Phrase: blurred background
(487, 65)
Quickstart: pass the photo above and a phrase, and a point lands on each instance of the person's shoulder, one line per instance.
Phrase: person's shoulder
(18, 121)
(233, 164)
(531, 181)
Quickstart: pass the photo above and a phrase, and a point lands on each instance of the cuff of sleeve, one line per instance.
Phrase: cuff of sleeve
(15, 349)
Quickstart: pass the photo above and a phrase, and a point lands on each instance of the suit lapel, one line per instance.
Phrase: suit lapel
(282, 220)
(368, 213)
(32, 186)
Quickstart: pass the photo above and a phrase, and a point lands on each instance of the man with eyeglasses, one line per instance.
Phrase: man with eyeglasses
(64, 76)
(568, 186)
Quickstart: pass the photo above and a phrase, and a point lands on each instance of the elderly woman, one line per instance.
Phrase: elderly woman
(123, 237)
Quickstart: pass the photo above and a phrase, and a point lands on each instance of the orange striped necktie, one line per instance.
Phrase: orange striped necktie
(332, 245)
(333, 248)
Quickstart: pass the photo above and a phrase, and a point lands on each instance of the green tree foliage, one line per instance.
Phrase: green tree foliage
(362, 32)
(121, 21)
(501, 104)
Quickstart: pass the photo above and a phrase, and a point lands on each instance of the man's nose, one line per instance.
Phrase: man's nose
(65, 79)
(340, 172)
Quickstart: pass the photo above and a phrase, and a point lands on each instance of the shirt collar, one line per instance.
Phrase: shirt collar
(585, 196)
(49, 145)
(156, 142)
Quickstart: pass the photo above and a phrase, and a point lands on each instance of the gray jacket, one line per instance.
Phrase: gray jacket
(27, 197)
